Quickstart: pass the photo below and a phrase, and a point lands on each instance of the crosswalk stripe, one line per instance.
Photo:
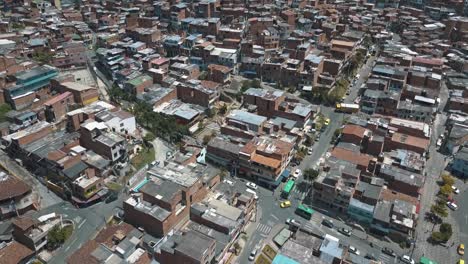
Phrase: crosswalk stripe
(264, 228)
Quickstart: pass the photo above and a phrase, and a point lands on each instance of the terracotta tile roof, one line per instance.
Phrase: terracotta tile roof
(218, 67)
(56, 155)
(389, 195)
(15, 253)
(57, 98)
(83, 254)
(267, 161)
(429, 61)
(354, 130)
(106, 235)
(351, 156)
(24, 222)
(12, 187)
(209, 84)
(410, 140)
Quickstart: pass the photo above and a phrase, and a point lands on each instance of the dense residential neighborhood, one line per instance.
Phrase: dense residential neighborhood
(225, 131)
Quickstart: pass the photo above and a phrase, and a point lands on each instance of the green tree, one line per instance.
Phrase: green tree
(4, 109)
(256, 83)
(444, 233)
(43, 57)
(439, 209)
(447, 179)
(148, 138)
(246, 85)
(446, 190)
(57, 236)
(311, 174)
(223, 109)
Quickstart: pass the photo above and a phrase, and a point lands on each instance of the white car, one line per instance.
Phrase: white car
(297, 172)
(252, 254)
(452, 206)
(354, 250)
(455, 189)
(407, 259)
(251, 185)
(309, 152)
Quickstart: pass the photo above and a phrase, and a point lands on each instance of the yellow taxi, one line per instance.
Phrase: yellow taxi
(461, 261)
(285, 204)
(461, 249)
(327, 121)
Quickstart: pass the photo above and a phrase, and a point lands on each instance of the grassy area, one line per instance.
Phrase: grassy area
(269, 252)
(262, 260)
(114, 186)
(145, 156)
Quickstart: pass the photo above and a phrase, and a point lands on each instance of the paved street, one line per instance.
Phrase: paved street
(46, 197)
(364, 73)
(434, 167)
(88, 222)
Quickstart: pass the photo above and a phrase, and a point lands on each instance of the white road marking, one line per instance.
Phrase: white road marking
(276, 218)
(82, 223)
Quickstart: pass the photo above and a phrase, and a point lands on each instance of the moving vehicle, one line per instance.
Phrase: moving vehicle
(251, 185)
(327, 121)
(293, 223)
(452, 206)
(297, 172)
(407, 259)
(370, 256)
(288, 187)
(309, 152)
(388, 251)
(252, 254)
(455, 189)
(328, 223)
(344, 231)
(112, 197)
(461, 249)
(285, 204)
(304, 211)
(353, 250)
(252, 192)
(347, 108)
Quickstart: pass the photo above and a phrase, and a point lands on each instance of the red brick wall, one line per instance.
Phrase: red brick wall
(34, 136)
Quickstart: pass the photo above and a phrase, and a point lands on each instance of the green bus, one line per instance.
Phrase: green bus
(304, 211)
(287, 189)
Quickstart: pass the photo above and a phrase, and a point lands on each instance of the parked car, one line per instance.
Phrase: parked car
(252, 255)
(370, 256)
(328, 223)
(461, 249)
(293, 222)
(309, 152)
(345, 231)
(455, 189)
(251, 185)
(388, 251)
(407, 259)
(452, 206)
(285, 204)
(353, 250)
(112, 197)
(297, 172)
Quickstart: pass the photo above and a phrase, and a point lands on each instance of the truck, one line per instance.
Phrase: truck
(347, 108)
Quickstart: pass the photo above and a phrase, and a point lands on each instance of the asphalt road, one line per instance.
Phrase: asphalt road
(364, 73)
(88, 222)
(270, 215)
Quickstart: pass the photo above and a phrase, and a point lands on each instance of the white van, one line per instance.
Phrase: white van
(252, 192)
